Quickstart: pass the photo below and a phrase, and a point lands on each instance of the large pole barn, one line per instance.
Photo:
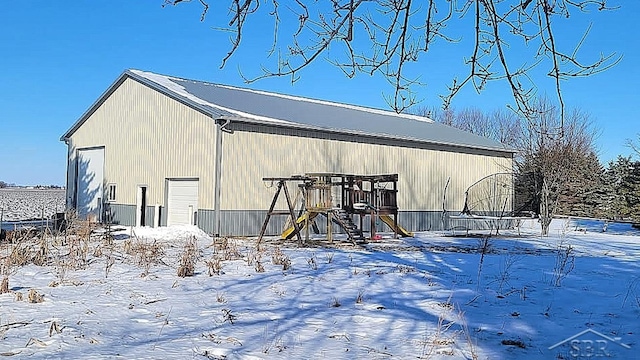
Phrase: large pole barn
(158, 150)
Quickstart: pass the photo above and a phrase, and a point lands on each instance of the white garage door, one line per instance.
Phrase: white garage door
(89, 180)
(182, 202)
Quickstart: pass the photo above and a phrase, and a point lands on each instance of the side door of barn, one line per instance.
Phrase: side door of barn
(182, 201)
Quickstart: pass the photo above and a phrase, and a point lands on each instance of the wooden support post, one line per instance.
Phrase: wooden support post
(329, 230)
(273, 204)
(395, 209)
(293, 216)
(373, 225)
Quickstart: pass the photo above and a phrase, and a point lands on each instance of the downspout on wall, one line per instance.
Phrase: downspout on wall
(221, 124)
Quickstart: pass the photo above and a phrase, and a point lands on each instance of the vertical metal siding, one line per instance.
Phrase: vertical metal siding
(122, 214)
(149, 215)
(149, 137)
(249, 222)
(423, 174)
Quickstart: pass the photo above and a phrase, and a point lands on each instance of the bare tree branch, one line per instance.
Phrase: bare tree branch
(385, 36)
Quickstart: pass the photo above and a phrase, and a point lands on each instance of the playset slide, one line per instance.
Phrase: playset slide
(290, 232)
(400, 230)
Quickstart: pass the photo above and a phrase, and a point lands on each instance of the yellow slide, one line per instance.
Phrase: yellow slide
(290, 232)
(400, 230)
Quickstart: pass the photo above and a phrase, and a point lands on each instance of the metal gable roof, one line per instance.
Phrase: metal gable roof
(263, 107)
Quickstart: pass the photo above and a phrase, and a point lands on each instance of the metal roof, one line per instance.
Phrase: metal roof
(221, 101)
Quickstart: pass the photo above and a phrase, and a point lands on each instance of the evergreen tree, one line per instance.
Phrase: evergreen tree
(629, 189)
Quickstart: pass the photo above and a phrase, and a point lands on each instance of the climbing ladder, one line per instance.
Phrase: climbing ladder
(345, 221)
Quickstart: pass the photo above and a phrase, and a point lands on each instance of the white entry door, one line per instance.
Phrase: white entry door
(89, 183)
(182, 202)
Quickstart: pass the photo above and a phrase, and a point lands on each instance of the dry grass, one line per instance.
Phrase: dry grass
(42, 255)
(188, 258)
(313, 263)
(564, 264)
(280, 258)
(109, 261)
(258, 263)
(34, 296)
(228, 316)
(335, 302)
(231, 250)
(221, 298)
(4, 285)
(146, 254)
(329, 256)
(215, 265)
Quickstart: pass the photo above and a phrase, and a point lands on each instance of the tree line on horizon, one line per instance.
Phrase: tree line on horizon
(4, 184)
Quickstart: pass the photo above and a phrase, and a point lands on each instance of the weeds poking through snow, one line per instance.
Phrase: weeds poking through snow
(335, 303)
(631, 292)
(109, 261)
(484, 246)
(564, 264)
(329, 257)
(228, 316)
(220, 244)
(360, 297)
(34, 296)
(439, 339)
(231, 251)
(20, 255)
(54, 328)
(504, 274)
(4, 286)
(188, 259)
(313, 263)
(221, 298)
(251, 258)
(42, 256)
(258, 265)
(404, 269)
(147, 254)
(472, 347)
(280, 258)
(214, 265)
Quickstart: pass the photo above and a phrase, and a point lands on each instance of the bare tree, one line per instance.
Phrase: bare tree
(634, 145)
(500, 125)
(386, 36)
(550, 161)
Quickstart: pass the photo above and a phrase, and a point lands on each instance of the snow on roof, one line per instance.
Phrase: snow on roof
(173, 84)
(323, 102)
(223, 101)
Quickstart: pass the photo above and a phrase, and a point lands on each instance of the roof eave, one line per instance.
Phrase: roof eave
(293, 125)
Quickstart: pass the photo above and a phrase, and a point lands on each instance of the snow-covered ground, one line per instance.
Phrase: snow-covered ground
(26, 204)
(428, 297)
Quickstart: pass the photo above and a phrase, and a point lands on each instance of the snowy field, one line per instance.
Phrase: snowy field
(27, 204)
(428, 297)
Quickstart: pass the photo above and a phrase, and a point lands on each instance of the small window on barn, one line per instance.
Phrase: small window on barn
(111, 196)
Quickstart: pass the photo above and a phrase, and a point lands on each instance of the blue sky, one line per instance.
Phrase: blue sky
(57, 59)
